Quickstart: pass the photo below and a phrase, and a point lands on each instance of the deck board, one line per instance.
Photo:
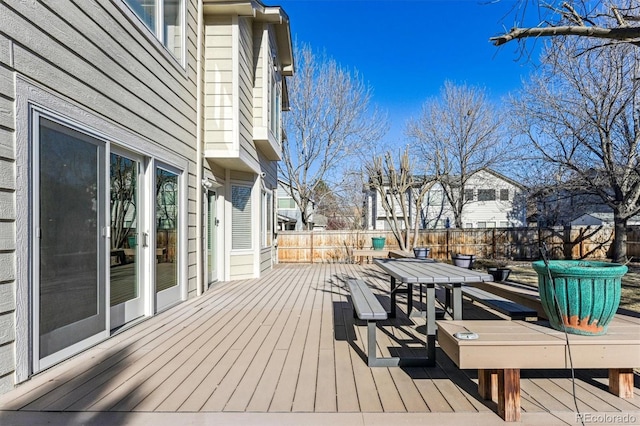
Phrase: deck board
(286, 343)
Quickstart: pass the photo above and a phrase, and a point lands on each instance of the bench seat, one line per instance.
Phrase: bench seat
(366, 306)
(507, 307)
(503, 348)
(513, 310)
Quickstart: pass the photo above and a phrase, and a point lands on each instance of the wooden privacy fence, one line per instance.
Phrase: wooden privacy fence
(494, 243)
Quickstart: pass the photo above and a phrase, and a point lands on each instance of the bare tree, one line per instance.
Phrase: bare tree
(331, 119)
(401, 193)
(459, 133)
(582, 115)
(612, 21)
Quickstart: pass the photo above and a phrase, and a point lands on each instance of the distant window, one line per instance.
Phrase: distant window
(468, 225)
(504, 195)
(482, 224)
(468, 194)
(286, 203)
(266, 219)
(165, 19)
(486, 194)
(504, 224)
(491, 224)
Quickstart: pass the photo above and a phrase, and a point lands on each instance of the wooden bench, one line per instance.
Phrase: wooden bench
(367, 307)
(500, 304)
(401, 254)
(504, 347)
(361, 254)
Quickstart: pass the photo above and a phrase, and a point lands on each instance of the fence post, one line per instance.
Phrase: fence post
(494, 244)
(311, 248)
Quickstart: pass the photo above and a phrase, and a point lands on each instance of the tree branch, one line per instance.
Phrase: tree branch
(625, 34)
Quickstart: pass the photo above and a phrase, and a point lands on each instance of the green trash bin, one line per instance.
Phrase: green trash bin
(586, 293)
(377, 243)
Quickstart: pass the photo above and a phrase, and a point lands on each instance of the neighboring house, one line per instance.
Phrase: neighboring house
(492, 200)
(289, 215)
(558, 206)
(139, 142)
(598, 219)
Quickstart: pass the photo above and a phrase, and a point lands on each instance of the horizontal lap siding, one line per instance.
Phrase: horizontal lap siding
(258, 86)
(246, 75)
(120, 78)
(7, 216)
(218, 85)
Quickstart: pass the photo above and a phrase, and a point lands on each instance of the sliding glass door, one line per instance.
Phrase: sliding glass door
(127, 217)
(106, 235)
(167, 236)
(69, 246)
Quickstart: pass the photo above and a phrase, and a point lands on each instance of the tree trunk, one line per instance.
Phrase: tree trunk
(619, 245)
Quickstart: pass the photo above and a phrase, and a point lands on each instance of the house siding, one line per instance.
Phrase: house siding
(7, 217)
(219, 123)
(259, 97)
(245, 90)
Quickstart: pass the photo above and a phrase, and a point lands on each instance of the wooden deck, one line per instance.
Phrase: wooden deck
(285, 349)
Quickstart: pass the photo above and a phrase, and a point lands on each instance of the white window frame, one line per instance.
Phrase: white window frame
(250, 216)
(158, 31)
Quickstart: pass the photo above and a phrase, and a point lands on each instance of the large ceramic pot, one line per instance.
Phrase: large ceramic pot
(377, 243)
(581, 296)
(421, 252)
(463, 260)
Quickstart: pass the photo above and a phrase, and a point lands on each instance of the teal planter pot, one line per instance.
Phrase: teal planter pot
(377, 243)
(587, 293)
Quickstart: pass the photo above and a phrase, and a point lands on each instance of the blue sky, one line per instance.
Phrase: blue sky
(406, 50)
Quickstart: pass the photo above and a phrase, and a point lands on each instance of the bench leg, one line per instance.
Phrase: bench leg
(394, 295)
(488, 384)
(509, 394)
(371, 343)
(621, 382)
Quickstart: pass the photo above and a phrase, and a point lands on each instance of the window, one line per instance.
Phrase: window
(286, 203)
(504, 224)
(165, 19)
(468, 195)
(504, 195)
(240, 217)
(482, 224)
(275, 106)
(266, 219)
(486, 194)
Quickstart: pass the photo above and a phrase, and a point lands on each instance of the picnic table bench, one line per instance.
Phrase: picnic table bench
(513, 310)
(504, 347)
(366, 306)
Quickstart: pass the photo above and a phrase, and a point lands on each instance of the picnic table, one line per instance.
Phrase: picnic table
(404, 273)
